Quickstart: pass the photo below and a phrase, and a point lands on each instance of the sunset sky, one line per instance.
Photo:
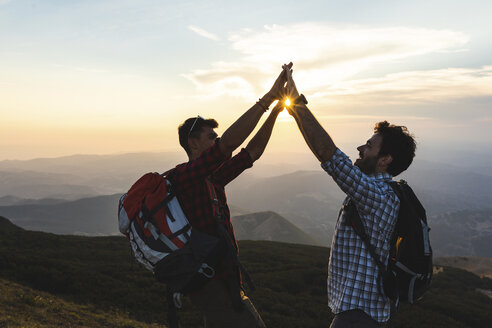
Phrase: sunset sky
(108, 76)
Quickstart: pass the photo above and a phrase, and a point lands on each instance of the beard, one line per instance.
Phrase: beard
(367, 165)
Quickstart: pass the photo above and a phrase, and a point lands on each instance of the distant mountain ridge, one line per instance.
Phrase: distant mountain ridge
(12, 200)
(90, 216)
(270, 226)
(78, 176)
(462, 233)
(458, 233)
(447, 187)
(98, 216)
(308, 199)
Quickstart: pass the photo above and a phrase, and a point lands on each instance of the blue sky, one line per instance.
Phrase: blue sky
(120, 76)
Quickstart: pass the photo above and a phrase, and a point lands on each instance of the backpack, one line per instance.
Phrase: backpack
(409, 270)
(161, 237)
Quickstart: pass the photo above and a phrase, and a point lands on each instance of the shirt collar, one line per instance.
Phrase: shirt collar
(384, 176)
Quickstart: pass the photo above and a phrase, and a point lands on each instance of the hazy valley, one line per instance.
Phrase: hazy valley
(78, 195)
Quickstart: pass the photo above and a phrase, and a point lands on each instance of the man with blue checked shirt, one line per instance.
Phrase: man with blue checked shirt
(355, 292)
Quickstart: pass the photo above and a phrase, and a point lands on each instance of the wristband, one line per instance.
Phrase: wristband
(264, 107)
(300, 100)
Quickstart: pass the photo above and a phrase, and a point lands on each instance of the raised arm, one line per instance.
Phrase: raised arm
(235, 135)
(318, 140)
(257, 144)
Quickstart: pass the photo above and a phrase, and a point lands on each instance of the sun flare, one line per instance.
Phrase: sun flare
(284, 114)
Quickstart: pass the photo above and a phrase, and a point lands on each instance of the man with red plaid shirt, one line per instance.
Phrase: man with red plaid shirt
(210, 162)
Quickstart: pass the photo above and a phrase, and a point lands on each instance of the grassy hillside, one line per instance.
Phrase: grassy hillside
(100, 273)
(21, 306)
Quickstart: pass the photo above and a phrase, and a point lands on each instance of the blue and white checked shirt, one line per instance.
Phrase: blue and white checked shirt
(352, 273)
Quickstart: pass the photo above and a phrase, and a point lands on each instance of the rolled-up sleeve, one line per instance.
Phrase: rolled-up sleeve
(232, 168)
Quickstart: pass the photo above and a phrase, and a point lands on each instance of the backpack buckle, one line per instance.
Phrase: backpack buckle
(177, 300)
(206, 270)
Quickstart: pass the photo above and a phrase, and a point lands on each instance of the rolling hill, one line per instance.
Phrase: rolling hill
(269, 226)
(100, 273)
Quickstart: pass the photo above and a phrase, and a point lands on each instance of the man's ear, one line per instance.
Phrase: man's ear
(192, 143)
(385, 160)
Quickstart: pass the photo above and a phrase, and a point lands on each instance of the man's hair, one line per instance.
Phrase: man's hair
(197, 123)
(398, 143)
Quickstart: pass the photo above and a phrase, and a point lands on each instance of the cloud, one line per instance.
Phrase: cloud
(441, 85)
(4, 2)
(325, 56)
(203, 33)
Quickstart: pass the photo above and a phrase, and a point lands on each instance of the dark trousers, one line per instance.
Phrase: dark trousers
(354, 319)
(215, 303)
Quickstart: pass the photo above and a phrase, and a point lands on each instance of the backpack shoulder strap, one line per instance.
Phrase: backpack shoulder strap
(358, 226)
(166, 173)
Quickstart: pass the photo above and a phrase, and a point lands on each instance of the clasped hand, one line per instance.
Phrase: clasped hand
(283, 88)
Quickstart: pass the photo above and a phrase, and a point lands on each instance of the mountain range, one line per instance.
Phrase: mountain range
(462, 233)
(34, 193)
(98, 216)
(90, 216)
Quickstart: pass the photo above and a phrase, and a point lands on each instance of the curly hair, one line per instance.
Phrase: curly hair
(197, 123)
(398, 143)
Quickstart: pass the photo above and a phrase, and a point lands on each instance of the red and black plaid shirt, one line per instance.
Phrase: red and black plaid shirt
(188, 180)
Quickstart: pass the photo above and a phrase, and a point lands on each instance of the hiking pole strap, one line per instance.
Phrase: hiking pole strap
(232, 253)
(172, 313)
(229, 242)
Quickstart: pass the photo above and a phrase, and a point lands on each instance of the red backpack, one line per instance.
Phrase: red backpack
(161, 237)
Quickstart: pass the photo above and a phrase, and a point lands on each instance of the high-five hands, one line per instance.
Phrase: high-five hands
(292, 92)
(278, 89)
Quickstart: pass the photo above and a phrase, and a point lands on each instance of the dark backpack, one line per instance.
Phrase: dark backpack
(409, 271)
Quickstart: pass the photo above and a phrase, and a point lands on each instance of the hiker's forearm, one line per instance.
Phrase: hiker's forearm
(318, 140)
(257, 145)
(235, 135)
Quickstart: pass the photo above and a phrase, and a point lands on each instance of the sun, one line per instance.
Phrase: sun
(284, 114)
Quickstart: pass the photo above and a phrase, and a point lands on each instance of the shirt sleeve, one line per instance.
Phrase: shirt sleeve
(201, 167)
(362, 189)
(232, 168)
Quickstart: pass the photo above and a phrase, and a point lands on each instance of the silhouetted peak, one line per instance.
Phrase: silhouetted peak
(6, 224)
